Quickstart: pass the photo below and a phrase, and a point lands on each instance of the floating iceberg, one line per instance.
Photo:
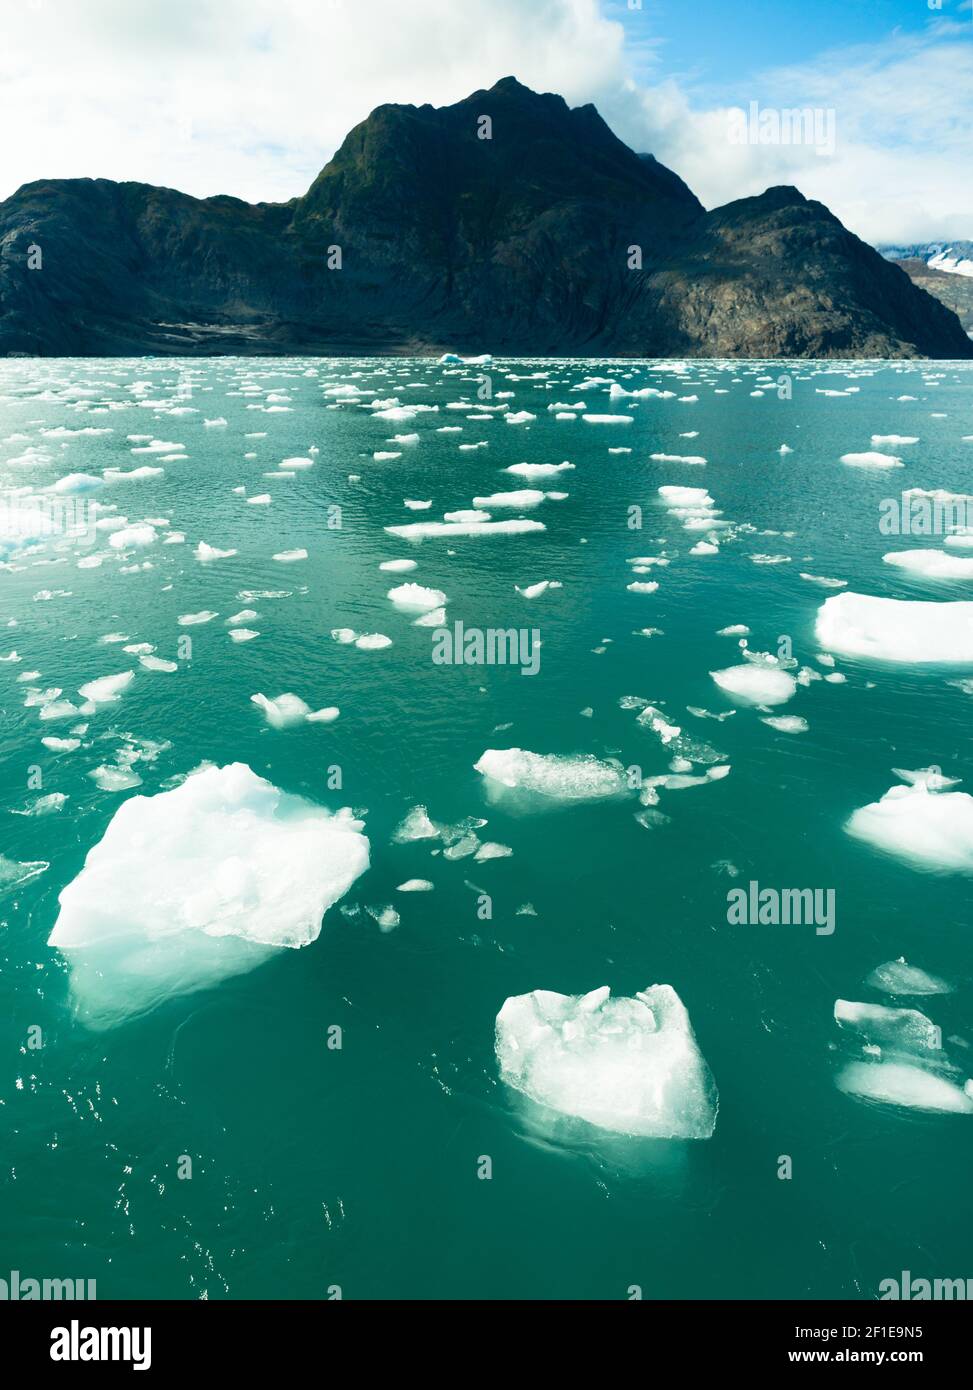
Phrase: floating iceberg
(423, 530)
(106, 690)
(890, 629)
(229, 870)
(756, 684)
(530, 471)
(415, 598)
(901, 1028)
(932, 829)
(872, 460)
(899, 1083)
(931, 564)
(898, 977)
(287, 710)
(631, 1066)
(552, 775)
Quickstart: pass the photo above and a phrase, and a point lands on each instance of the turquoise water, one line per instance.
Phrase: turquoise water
(313, 1167)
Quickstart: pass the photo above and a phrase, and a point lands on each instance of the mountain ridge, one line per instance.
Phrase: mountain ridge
(507, 221)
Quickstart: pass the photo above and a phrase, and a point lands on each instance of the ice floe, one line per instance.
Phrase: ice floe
(872, 459)
(757, 683)
(288, 709)
(902, 630)
(631, 1066)
(898, 977)
(415, 598)
(555, 776)
(900, 1083)
(917, 822)
(931, 564)
(230, 869)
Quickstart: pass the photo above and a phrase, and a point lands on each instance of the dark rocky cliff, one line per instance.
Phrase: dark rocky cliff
(519, 243)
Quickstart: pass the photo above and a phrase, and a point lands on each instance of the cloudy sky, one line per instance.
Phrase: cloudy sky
(251, 97)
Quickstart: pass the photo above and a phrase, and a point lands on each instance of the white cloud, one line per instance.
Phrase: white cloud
(253, 97)
(903, 113)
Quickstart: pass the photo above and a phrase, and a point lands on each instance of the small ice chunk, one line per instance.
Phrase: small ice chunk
(786, 723)
(132, 537)
(556, 776)
(897, 1083)
(872, 460)
(631, 1066)
(115, 779)
(12, 874)
(107, 689)
(414, 598)
(521, 498)
(491, 850)
(425, 530)
(206, 554)
(416, 826)
(415, 885)
(756, 684)
(288, 710)
(535, 590)
(897, 977)
(900, 1028)
(532, 471)
(386, 917)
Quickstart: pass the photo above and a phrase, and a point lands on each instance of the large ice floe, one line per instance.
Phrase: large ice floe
(631, 1066)
(196, 884)
(931, 564)
(552, 776)
(920, 822)
(890, 629)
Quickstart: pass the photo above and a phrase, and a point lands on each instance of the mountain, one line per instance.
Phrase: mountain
(508, 222)
(955, 291)
(952, 257)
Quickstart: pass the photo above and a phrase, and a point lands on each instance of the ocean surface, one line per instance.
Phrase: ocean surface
(400, 1163)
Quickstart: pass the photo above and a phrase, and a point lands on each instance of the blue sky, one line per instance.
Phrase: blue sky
(722, 45)
(252, 97)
